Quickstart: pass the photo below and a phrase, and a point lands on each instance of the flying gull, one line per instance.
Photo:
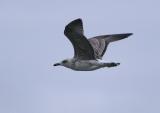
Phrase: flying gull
(88, 52)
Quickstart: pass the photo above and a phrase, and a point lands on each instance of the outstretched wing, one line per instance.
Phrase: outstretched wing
(100, 43)
(82, 48)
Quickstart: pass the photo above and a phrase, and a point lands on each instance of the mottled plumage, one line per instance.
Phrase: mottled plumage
(88, 51)
(100, 43)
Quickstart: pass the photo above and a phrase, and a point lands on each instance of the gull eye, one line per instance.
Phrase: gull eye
(64, 61)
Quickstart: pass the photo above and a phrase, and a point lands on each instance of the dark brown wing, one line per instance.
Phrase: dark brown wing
(100, 43)
(82, 48)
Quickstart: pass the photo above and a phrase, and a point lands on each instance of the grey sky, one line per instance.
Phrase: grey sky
(31, 40)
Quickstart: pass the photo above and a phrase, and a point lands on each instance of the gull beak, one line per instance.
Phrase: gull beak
(56, 64)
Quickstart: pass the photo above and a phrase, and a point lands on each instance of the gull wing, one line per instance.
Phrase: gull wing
(100, 43)
(82, 48)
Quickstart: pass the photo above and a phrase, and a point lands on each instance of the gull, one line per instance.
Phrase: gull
(88, 53)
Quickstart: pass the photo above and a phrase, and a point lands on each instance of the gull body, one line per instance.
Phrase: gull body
(88, 52)
(85, 65)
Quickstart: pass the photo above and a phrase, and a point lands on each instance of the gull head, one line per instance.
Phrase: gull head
(65, 63)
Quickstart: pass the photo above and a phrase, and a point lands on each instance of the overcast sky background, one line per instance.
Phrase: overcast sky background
(32, 39)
